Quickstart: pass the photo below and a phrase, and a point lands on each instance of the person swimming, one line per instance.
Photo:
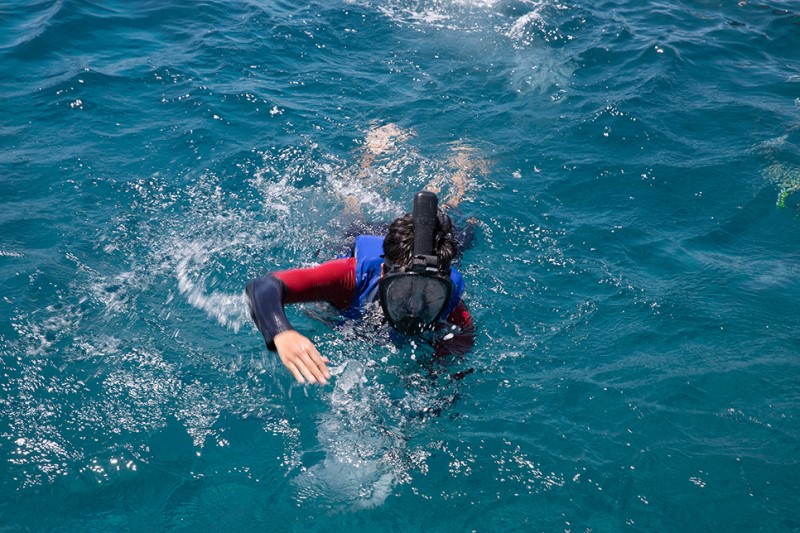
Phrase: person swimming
(408, 271)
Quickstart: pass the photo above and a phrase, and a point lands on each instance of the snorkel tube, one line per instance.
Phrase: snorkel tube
(426, 218)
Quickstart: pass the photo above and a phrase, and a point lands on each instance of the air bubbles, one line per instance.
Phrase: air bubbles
(697, 481)
(7, 253)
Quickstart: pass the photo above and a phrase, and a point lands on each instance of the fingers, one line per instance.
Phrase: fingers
(303, 370)
(312, 365)
(301, 357)
(296, 373)
(318, 359)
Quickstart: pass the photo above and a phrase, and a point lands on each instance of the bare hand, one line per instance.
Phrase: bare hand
(301, 357)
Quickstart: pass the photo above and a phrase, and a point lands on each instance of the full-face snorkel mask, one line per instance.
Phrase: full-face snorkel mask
(414, 296)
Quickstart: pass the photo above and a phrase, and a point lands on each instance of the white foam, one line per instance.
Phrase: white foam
(358, 471)
(229, 309)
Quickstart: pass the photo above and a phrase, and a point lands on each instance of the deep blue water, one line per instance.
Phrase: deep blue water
(635, 273)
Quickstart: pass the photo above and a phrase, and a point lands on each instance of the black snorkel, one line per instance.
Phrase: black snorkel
(414, 296)
(426, 219)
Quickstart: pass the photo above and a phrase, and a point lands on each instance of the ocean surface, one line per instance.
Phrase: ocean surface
(632, 170)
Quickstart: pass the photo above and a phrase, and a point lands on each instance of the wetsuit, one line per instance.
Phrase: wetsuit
(347, 284)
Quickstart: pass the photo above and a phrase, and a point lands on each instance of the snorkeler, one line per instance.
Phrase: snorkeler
(408, 271)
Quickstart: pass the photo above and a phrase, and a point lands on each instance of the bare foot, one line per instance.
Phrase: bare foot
(381, 140)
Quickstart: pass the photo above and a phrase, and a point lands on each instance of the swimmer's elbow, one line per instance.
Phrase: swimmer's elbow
(265, 295)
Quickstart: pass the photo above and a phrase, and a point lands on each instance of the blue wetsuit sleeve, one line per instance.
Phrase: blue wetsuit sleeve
(266, 296)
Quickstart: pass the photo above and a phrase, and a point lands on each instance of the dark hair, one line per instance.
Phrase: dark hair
(398, 246)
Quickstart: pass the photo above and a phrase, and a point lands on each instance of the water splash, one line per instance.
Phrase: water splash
(360, 450)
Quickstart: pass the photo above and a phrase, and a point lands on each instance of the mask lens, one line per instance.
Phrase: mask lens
(412, 302)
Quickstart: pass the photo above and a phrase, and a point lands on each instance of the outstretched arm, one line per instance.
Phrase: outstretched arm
(297, 353)
(333, 282)
(266, 295)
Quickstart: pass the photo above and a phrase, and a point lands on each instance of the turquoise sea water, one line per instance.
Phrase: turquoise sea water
(635, 275)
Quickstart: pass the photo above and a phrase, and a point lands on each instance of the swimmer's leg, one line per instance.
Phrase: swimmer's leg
(379, 142)
(466, 164)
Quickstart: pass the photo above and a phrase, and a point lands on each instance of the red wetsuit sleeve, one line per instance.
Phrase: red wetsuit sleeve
(460, 316)
(463, 340)
(334, 282)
